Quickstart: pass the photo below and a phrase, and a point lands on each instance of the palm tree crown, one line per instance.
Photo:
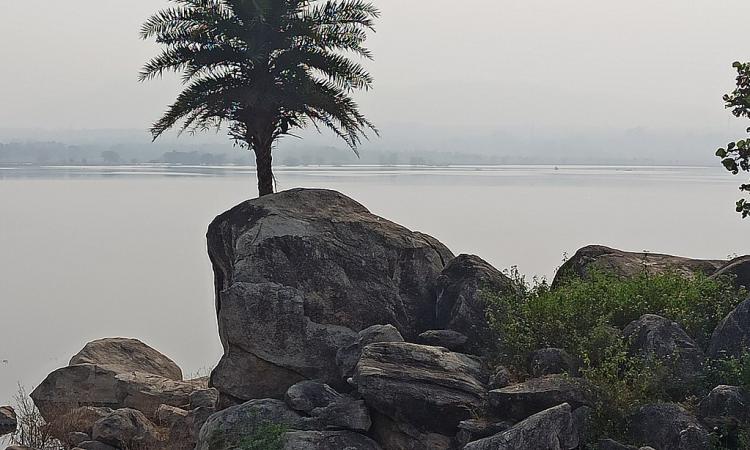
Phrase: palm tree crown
(264, 68)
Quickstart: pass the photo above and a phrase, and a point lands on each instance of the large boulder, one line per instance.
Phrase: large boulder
(461, 306)
(407, 381)
(738, 270)
(127, 355)
(598, 258)
(521, 400)
(551, 429)
(654, 336)
(72, 387)
(327, 440)
(667, 426)
(731, 337)
(226, 429)
(725, 407)
(298, 274)
(8, 420)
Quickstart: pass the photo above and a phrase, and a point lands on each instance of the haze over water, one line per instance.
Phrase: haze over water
(99, 252)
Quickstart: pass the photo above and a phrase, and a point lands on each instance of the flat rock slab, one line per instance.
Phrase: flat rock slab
(598, 258)
(407, 382)
(519, 401)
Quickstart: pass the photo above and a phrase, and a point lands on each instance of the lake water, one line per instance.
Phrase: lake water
(91, 252)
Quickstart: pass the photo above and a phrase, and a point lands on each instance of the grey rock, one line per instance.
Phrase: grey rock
(95, 445)
(127, 355)
(550, 361)
(738, 270)
(347, 414)
(204, 398)
(404, 381)
(307, 395)
(655, 336)
(452, 340)
(333, 410)
(732, 336)
(610, 444)
(8, 420)
(76, 437)
(184, 432)
(582, 417)
(404, 436)
(90, 385)
(225, 429)
(667, 427)
(298, 274)
(347, 357)
(598, 258)
(552, 429)
(166, 415)
(521, 400)
(126, 428)
(327, 440)
(500, 378)
(725, 406)
(475, 429)
(460, 305)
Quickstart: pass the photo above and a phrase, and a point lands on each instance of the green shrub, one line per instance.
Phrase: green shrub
(568, 316)
(585, 318)
(731, 371)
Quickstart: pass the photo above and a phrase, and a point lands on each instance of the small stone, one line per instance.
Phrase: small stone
(452, 340)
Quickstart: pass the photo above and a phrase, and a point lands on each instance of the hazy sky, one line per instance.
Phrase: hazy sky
(526, 67)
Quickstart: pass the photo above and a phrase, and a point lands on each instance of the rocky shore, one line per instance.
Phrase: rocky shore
(343, 330)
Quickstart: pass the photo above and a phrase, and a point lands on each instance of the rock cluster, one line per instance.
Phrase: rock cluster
(121, 393)
(342, 330)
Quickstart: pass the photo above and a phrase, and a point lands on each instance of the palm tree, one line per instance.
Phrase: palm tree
(264, 68)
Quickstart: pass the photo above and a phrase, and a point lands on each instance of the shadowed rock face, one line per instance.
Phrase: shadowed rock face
(460, 306)
(628, 264)
(655, 336)
(298, 274)
(732, 336)
(8, 421)
(667, 427)
(739, 270)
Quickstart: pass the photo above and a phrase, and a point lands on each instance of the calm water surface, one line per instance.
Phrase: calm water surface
(93, 252)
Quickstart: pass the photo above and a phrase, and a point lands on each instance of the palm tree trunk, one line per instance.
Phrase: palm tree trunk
(263, 161)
